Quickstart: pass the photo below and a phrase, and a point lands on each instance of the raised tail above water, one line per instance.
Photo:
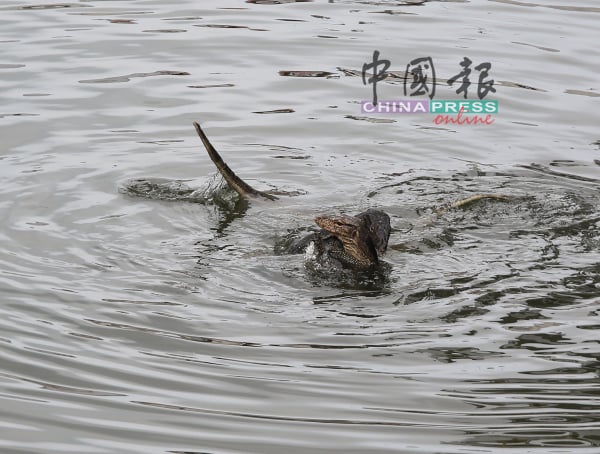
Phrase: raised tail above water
(235, 182)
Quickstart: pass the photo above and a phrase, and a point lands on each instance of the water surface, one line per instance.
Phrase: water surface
(140, 326)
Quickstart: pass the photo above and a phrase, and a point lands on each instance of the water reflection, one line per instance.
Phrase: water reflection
(134, 325)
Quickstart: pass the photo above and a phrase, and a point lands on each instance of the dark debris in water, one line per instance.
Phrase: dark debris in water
(161, 142)
(231, 27)
(276, 111)
(370, 119)
(387, 2)
(563, 163)
(128, 77)
(212, 86)
(547, 49)
(391, 12)
(305, 73)
(121, 21)
(166, 30)
(276, 2)
(51, 6)
(19, 115)
(506, 83)
(547, 171)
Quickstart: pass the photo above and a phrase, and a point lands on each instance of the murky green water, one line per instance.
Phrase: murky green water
(131, 325)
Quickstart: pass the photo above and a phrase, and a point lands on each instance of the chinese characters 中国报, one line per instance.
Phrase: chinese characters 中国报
(420, 77)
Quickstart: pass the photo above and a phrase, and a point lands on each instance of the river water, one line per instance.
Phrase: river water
(130, 325)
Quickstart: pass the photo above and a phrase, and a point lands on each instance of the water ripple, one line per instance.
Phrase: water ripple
(138, 325)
